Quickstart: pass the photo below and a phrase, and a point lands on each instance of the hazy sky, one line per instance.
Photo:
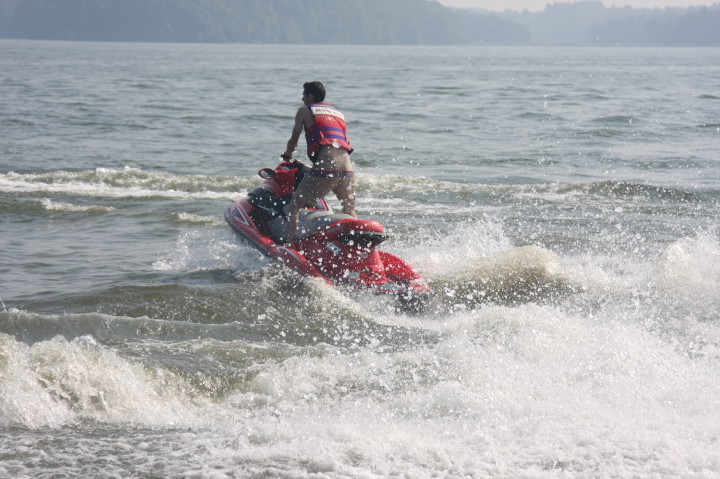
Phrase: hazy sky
(535, 5)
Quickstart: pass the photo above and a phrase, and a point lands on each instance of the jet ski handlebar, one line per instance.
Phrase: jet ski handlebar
(285, 163)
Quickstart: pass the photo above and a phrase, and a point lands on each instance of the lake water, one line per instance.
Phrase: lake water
(563, 203)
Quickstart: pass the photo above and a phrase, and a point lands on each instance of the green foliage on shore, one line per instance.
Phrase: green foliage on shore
(352, 22)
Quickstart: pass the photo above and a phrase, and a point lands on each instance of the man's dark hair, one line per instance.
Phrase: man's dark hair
(316, 89)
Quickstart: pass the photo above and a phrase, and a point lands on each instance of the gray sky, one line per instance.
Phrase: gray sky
(536, 5)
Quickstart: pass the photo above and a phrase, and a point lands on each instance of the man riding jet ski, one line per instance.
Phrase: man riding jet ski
(338, 248)
(329, 150)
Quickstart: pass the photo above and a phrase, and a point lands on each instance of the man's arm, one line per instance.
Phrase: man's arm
(297, 130)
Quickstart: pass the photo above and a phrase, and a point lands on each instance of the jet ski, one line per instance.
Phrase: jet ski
(339, 249)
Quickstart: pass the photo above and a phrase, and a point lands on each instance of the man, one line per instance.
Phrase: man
(329, 150)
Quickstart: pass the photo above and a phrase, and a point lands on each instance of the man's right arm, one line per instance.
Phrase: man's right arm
(295, 136)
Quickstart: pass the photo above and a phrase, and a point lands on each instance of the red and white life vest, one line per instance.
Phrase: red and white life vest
(328, 128)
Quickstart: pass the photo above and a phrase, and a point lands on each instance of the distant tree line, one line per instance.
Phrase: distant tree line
(352, 22)
(240, 21)
(591, 22)
(693, 27)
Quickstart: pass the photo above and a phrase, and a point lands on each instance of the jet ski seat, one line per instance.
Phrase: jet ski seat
(309, 223)
(275, 209)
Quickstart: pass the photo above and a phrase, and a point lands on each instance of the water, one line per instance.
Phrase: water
(563, 202)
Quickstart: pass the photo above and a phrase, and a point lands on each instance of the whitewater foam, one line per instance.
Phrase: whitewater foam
(56, 382)
(691, 265)
(199, 219)
(210, 249)
(127, 183)
(51, 205)
(530, 372)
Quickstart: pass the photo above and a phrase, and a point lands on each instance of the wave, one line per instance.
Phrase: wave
(691, 266)
(268, 408)
(598, 190)
(520, 275)
(601, 133)
(379, 184)
(626, 189)
(246, 309)
(31, 328)
(537, 116)
(58, 207)
(126, 183)
(51, 205)
(474, 263)
(56, 382)
(198, 219)
(616, 119)
(139, 184)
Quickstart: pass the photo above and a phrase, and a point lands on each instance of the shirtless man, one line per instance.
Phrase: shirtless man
(329, 150)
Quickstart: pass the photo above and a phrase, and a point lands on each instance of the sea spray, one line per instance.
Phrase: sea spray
(210, 249)
(524, 274)
(692, 265)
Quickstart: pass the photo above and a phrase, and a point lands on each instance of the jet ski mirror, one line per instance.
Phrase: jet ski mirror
(266, 173)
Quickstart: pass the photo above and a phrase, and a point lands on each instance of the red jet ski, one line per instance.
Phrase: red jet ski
(337, 248)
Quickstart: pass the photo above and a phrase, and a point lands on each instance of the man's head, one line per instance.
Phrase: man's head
(313, 89)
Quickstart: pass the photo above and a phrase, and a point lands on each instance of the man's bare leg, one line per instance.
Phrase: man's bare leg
(311, 188)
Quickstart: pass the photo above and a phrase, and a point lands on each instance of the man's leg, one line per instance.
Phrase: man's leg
(310, 189)
(345, 192)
